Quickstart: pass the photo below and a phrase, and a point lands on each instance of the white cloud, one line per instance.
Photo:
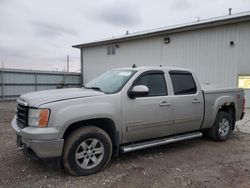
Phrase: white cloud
(118, 14)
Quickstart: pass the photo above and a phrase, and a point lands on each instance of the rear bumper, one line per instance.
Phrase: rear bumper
(242, 115)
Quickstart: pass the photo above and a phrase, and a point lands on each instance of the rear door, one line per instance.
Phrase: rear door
(187, 101)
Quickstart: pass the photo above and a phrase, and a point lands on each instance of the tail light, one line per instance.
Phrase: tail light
(244, 104)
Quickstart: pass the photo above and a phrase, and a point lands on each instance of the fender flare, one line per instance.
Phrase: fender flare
(222, 101)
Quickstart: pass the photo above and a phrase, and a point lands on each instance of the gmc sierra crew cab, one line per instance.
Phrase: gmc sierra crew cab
(121, 111)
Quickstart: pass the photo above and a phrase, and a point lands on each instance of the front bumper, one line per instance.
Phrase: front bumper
(40, 144)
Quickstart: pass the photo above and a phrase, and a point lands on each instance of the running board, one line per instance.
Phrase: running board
(162, 141)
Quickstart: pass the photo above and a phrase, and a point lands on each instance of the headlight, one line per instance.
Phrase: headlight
(38, 117)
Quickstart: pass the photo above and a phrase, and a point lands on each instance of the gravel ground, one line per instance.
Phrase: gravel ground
(195, 163)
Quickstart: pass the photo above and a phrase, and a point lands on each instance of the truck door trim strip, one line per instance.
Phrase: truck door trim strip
(184, 120)
(138, 126)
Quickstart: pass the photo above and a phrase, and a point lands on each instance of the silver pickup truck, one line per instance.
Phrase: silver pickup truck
(123, 110)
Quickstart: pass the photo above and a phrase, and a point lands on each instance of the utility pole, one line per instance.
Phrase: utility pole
(67, 63)
(2, 64)
(2, 80)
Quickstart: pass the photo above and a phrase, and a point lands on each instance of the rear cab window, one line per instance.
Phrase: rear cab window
(183, 82)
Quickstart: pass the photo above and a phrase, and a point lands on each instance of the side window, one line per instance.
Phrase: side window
(111, 50)
(155, 83)
(183, 83)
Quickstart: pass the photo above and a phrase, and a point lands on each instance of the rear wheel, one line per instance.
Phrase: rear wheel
(222, 127)
(87, 151)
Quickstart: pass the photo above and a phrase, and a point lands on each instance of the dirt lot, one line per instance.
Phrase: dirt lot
(196, 163)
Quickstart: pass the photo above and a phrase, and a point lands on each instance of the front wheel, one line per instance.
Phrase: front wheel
(87, 151)
(222, 127)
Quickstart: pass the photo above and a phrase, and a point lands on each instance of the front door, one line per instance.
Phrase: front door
(151, 116)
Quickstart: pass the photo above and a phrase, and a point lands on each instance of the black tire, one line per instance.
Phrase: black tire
(218, 134)
(85, 136)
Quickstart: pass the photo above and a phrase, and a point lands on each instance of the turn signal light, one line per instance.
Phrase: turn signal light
(43, 118)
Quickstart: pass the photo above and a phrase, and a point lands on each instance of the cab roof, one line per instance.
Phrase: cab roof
(163, 68)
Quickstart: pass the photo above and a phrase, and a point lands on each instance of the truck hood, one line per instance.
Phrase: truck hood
(35, 99)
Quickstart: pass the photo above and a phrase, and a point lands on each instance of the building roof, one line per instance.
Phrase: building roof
(26, 71)
(217, 21)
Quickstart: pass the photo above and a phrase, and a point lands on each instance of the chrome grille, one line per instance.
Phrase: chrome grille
(22, 115)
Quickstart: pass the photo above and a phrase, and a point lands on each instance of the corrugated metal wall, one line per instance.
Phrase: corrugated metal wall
(207, 52)
(15, 82)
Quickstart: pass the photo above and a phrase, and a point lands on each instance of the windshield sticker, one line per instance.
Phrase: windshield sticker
(124, 73)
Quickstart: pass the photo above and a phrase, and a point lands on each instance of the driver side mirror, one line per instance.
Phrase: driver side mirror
(138, 91)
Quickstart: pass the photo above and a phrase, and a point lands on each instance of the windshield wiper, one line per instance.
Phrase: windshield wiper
(94, 88)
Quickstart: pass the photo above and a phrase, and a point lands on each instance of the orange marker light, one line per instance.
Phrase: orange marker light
(43, 118)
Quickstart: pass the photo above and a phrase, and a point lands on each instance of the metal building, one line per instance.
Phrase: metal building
(14, 82)
(217, 50)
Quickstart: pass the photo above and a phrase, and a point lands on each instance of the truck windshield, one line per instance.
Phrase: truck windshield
(111, 81)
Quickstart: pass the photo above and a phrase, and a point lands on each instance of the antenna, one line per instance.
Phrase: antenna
(198, 19)
(230, 11)
(127, 32)
(134, 66)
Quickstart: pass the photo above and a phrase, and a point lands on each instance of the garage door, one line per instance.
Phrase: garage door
(244, 82)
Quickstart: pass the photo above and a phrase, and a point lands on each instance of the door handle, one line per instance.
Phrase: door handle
(196, 101)
(165, 103)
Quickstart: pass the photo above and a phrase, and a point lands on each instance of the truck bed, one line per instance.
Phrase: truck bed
(215, 93)
(219, 89)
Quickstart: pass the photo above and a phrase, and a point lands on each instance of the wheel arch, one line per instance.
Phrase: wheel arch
(230, 109)
(105, 124)
(226, 104)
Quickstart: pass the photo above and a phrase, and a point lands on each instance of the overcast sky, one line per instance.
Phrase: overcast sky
(38, 34)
